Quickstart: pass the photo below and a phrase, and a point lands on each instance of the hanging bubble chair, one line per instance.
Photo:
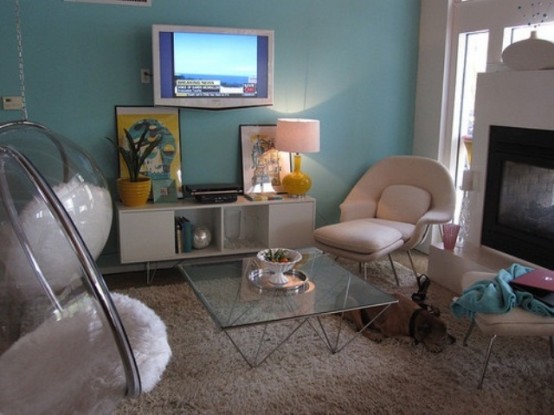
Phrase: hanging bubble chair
(63, 344)
(72, 174)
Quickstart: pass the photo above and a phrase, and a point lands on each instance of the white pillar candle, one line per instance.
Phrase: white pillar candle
(467, 181)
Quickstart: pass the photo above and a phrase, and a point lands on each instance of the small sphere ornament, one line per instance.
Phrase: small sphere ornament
(201, 237)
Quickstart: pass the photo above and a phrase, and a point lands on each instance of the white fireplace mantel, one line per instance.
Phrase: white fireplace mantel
(508, 98)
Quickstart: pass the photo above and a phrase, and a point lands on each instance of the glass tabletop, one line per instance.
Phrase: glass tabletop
(229, 293)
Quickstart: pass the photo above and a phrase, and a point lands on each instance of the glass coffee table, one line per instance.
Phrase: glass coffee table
(237, 298)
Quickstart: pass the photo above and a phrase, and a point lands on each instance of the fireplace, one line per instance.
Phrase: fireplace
(518, 213)
(521, 102)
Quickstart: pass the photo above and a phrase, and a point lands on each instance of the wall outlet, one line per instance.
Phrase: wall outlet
(145, 76)
(12, 103)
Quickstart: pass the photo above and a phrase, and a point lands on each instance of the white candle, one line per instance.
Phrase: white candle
(467, 181)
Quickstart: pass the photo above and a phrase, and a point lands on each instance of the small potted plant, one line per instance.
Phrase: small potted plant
(135, 189)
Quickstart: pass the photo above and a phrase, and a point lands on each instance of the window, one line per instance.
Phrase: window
(472, 59)
(473, 55)
(515, 34)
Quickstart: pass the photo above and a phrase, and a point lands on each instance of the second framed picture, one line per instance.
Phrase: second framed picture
(263, 166)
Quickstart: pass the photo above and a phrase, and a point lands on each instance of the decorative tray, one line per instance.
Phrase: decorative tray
(297, 280)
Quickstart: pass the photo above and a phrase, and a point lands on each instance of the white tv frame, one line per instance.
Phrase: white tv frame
(213, 103)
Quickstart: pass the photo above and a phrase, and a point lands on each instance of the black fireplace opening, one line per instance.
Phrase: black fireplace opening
(518, 214)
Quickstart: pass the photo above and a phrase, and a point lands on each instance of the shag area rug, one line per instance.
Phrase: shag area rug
(207, 375)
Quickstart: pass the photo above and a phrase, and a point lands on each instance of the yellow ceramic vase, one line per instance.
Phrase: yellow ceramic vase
(134, 193)
(297, 183)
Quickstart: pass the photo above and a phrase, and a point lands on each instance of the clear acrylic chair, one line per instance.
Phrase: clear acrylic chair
(63, 345)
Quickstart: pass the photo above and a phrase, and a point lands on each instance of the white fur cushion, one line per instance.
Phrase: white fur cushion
(148, 337)
(90, 209)
(70, 365)
(403, 203)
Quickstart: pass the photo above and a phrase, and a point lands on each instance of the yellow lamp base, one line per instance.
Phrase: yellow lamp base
(297, 183)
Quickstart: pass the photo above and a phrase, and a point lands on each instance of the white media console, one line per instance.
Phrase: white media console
(147, 233)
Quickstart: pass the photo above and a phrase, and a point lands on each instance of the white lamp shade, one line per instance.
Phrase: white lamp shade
(297, 135)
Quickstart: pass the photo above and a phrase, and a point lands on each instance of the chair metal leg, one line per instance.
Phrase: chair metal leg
(469, 331)
(487, 357)
(363, 265)
(393, 269)
(489, 350)
(411, 263)
(409, 251)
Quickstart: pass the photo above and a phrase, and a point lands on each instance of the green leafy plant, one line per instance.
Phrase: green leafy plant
(135, 153)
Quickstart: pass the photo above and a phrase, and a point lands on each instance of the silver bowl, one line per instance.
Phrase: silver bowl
(278, 269)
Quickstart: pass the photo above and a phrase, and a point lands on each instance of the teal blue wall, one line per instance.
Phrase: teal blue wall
(349, 63)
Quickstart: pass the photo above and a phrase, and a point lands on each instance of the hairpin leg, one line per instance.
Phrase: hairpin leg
(469, 331)
(393, 269)
(489, 350)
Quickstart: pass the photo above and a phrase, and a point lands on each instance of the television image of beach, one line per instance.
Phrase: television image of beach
(208, 64)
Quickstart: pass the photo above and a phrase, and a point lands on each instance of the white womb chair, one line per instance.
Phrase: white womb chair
(390, 208)
(517, 322)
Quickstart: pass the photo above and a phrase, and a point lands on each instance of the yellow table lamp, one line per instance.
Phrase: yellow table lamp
(297, 135)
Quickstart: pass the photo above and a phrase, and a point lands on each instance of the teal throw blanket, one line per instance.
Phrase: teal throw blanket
(496, 296)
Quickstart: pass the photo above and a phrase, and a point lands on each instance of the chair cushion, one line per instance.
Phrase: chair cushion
(54, 377)
(517, 322)
(362, 236)
(406, 229)
(403, 203)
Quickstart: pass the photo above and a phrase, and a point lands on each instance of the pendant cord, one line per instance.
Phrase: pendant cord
(20, 60)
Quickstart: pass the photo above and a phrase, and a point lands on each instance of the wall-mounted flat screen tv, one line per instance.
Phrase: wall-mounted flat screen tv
(212, 67)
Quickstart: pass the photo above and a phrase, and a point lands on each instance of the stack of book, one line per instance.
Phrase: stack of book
(183, 235)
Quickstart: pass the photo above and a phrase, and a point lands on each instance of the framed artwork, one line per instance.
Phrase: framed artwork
(164, 163)
(263, 166)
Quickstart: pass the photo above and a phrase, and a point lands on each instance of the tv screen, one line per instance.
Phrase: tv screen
(213, 68)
